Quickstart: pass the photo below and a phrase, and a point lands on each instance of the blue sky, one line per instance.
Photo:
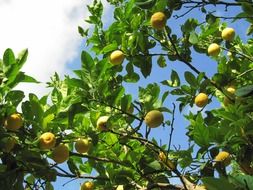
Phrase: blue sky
(49, 30)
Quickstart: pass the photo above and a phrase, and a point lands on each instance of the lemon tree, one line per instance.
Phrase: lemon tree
(91, 127)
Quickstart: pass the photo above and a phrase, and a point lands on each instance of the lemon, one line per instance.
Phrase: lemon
(13, 122)
(60, 153)
(213, 49)
(223, 157)
(88, 185)
(101, 123)
(201, 100)
(47, 140)
(228, 34)
(117, 57)
(154, 118)
(158, 20)
(82, 145)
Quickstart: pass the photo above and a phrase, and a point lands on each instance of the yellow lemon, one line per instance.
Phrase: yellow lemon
(158, 20)
(117, 57)
(13, 122)
(231, 91)
(213, 49)
(101, 123)
(82, 145)
(88, 185)
(154, 118)
(228, 34)
(47, 140)
(60, 153)
(201, 100)
(223, 157)
(166, 161)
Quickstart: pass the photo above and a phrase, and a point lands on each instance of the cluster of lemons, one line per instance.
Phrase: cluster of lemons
(47, 141)
(157, 21)
(153, 119)
(60, 153)
(202, 98)
(12, 123)
(227, 34)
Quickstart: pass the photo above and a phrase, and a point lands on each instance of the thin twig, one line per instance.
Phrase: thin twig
(171, 127)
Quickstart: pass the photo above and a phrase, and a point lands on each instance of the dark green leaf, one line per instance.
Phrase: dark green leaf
(87, 62)
(244, 91)
(216, 184)
(9, 58)
(190, 78)
(161, 61)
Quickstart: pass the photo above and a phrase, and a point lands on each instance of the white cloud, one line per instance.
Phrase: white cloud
(48, 28)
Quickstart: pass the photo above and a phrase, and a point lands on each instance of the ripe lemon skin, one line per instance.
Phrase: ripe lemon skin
(158, 20)
(154, 119)
(47, 140)
(101, 123)
(169, 163)
(213, 49)
(224, 157)
(82, 145)
(13, 122)
(60, 153)
(228, 34)
(117, 57)
(231, 91)
(201, 100)
(87, 186)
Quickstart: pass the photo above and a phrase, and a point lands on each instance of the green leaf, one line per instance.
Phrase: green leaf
(247, 8)
(73, 110)
(126, 102)
(146, 66)
(161, 61)
(9, 58)
(72, 167)
(111, 139)
(14, 80)
(150, 94)
(116, 95)
(87, 62)
(12, 71)
(2, 168)
(155, 165)
(145, 4)
(250, 30)
(36, 108)
(82, 32)
(73, 82)
(193, 39)
(22, 57)
(15, 97)
(242, 180)
(216, 184)
(110, 47)
(200, 132)
(175, 79)
(86, 168)
(49, 186)
(244, 91)
(190, 78)
(165, 95)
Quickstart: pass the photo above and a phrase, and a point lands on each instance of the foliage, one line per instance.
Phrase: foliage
(125, 154)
